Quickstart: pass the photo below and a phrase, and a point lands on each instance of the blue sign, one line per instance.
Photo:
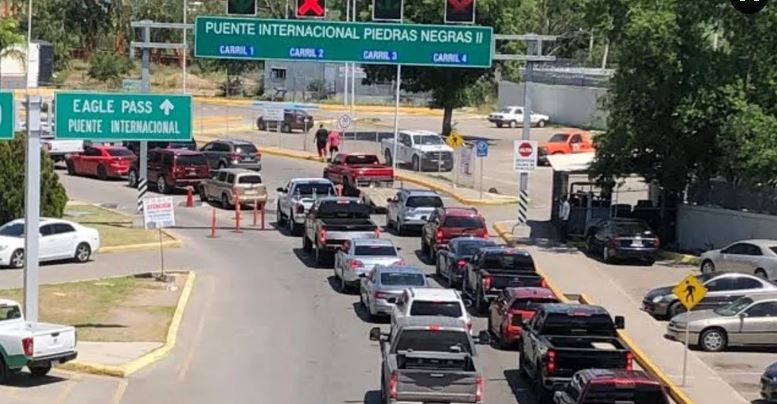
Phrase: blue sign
(482, 148)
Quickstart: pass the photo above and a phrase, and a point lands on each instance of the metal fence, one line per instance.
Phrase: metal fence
(721, 193)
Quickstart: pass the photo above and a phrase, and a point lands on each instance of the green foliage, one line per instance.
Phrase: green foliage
(317, 89)
(53, 197)
(108, 67)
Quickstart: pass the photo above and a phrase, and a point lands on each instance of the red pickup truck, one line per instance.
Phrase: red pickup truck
(512, 308)
(353, 170)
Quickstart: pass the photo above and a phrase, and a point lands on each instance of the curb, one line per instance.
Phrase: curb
(150, 357)
(679, 258)
(642, 358)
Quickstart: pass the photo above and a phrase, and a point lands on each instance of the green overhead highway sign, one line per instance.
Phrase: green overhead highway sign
(7, 115)
(373, 43)
(123, 116)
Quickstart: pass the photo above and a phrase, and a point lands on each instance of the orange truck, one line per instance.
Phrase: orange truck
(565, 143)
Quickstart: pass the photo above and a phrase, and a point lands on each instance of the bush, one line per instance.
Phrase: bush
(53, 196)
(108, 67)
(232, 86)
(317, 89)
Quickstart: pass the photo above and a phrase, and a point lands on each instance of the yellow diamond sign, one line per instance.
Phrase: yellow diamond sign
(455, 140)
(690, 291)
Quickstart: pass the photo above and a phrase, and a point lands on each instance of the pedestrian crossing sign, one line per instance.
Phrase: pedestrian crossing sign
(455, 140)
(690, 291)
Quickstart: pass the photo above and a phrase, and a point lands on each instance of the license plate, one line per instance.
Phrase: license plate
(637, 243)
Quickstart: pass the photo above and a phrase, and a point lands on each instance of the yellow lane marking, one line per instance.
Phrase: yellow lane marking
(119, 393)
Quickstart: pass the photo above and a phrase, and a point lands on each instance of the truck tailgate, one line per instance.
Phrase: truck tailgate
(577, 353)
(436, 377)
(504, 280)
(55, 146)
(51, 339)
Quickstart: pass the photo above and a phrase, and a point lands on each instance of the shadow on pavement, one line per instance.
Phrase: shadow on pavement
(305, 258)
(372, 397)
(25, 380)
(361, 312)
(96, 325)
(520, 386)
(334, 283)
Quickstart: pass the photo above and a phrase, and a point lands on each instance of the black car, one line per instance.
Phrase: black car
(452, 260)
(722, 288)
(293, 119)
(769, 383)
(134, 147)
(621, 238)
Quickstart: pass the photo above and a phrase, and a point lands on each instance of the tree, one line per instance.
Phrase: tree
(108, 67)
(9, 38)
(53, 197)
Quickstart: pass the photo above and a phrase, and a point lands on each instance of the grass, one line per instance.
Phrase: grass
(115, 229)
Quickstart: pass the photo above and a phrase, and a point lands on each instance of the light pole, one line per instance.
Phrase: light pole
(185, 50)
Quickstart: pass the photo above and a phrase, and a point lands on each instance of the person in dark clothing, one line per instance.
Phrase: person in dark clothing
(321, 136)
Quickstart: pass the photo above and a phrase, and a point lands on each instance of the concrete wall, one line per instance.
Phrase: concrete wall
(702, 228)
(566, 105)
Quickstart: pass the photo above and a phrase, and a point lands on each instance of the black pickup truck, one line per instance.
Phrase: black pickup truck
(332, 221)
(492, 269)
(564, 338)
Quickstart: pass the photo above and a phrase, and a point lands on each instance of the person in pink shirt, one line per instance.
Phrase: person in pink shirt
(334, 139)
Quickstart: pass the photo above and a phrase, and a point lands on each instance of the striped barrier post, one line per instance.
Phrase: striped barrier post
(142, 189)
(523, 207)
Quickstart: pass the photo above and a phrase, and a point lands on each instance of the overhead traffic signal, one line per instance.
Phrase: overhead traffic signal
(241, 7)
(460, 11)
(311, 8)
(387, 10)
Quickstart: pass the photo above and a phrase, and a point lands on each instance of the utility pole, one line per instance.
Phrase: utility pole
(32, 209)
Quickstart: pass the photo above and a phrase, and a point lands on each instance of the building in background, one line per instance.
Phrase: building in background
(41, 61)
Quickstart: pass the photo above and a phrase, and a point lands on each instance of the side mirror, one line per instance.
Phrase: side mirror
(743, 315)
(375, 334)
(620, 323)
(399, 248)
(484, 338)
(281, 189)
(392, 300)
(389, 200)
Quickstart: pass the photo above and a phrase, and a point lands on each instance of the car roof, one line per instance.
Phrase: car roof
(505, 249)
(460, 211)
(417, 192)
(44, 220)
(311, 180)
(436, 294)
(605, 375)
(398, 268)
(233, 141)
(421, 132)
(759, 242)
(372, 241)
(8, 302)
(564, 308)
(338, 198)
(471, 238)
(238, 171)
(426, 321)
(178, 151)
(527, 292)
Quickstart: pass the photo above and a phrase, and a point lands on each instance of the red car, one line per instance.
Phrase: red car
(101, 161)
(514, 304)
(355, 170)
(448, 223)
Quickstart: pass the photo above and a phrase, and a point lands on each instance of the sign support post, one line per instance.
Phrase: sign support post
(690, 291)
(396, 119)
(482, 159)
(32, 209)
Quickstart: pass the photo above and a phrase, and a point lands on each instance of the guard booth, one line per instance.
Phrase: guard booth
(588, 202)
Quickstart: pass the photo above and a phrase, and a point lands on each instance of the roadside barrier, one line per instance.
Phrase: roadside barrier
(259, 210)
(189, 196)
(339, 189)
(237, 212)
(213, 224)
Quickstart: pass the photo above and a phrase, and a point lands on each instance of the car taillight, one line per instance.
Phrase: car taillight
(439, 235)
(469, 325)
(658, 242)
(543, 283)
(379, 295)
(486, 282)
(300, 208)
(322, 235)
(234, 156)
(392, 386)
(27, 345)
(461, 263)
(480, 388)
(356, 264)
(551, 364)
(258, 155)
(400, 262)
(629, 361)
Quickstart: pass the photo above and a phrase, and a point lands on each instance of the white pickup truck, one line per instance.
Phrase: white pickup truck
(422, 149)
(38, 346)
(513, 116)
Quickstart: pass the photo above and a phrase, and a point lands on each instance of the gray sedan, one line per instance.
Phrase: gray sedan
(748, 321)
(381, 287)
(359, 256)
(757, 257)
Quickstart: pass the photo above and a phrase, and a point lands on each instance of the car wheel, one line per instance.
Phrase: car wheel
(675, 309)
(261, 125)
(437, 266)
(132, 179)
(606, 254)
(343, 285)
(480, 303)
(17, 259)
(387, 157)
(293, 229)
(286, 128)
(203, 195)
(319, 257)
(224, 201)
(306, 245)
(388, 221)
(279, 219)
(416, 163)
(4, 371)
(83, 252)
(71, 170)
(707, 266)
(102, 173)
(499, 124)
(161, 185)
(423, 249)
(40, 371)
(541, 124)
(400, 229)
(513, 124)
(713, 340)
(761, 274)
(222, 165)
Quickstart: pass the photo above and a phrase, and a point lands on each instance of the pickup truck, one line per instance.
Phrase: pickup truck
(492, 269)
(334, 220)
(612, 386)
(296, 198)
(445, 224)
(562, 339)
(422, 149)
(430, 359)
(513, 116)
(565, 143)
(38, 346)
(353, 170)
(59, 149)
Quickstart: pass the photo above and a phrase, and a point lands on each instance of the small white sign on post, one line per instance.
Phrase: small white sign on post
(465, 157)
(158, 213)
(344, 121)
(524, 155)
(272, 114)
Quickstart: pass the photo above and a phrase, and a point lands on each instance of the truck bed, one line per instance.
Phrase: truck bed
(376, 197)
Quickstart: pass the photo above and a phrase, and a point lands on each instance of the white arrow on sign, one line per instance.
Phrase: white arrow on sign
(167, 106)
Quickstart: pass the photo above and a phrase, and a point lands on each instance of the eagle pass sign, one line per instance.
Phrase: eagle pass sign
(524, 155)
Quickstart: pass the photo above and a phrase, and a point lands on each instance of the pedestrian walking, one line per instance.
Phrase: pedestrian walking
(563, 215)
(334, 140)
(321, 136)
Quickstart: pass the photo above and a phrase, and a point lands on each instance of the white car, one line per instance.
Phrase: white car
(512, 116)
(424, 150)
(59, 240)
(296, 198)
(38, 346)
(755, 257)
(431, 302)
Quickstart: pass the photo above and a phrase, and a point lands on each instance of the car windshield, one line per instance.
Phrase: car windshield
(249, 179)
(10, 312)
(375, 250)
(424, 202)
(402, 279)
(246, 149)
(559, 138)
(120, 152)
(427, 140)
(318, 189)
(631, 393)
(471, 247)
(632, 228)
(734, 307)
(523, 304)
(774, 249)
(12, 230)
(434, 341)
(444, 309)
(470, 222)
(507, 110)
(191, 160)
(362, 159)
(515, 262)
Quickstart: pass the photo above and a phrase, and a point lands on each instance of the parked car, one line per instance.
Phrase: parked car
(422, 149)
(512, 308)
(565, 143)
(492, 269)
(293, 119)
(358, 256)
(380, 287)
(134, 146)
(757, 257)
(722, 288)
(59, 149)
(621, 238)
(230, 185)
(296, 198)
(411, 208)
(562, 339)
(452, 260)
(102, 162)
(769, 383)
(228, 153)
(431, 302)
(747, 321)
(334, 220)
(612, 386)
(356, 170)
(512, 116)
(38, 346)
(448, 223)
(59, 240)
(429, 359)
(172, 168)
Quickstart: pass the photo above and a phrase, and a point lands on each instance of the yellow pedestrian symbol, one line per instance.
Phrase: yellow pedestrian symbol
(455, 140)
(690, 291)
